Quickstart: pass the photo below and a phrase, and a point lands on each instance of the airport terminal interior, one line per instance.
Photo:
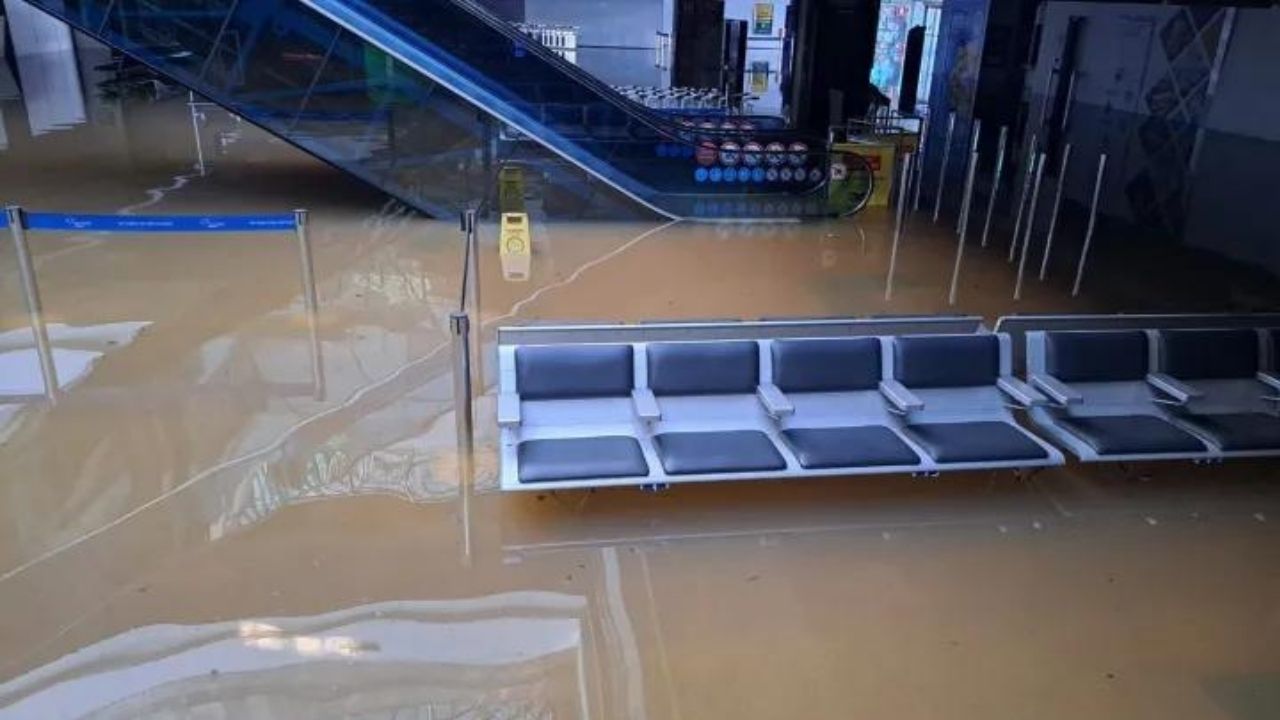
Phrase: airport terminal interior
(689, 359)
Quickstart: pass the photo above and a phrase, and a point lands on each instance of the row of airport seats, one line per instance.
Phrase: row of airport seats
(1157, 394)
(650, 413)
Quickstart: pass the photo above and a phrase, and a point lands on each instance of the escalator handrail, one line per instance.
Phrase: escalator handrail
(603, 90)
(354, 18)
(376, 27)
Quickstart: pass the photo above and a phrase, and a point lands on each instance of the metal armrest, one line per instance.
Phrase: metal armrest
(1022, 393)
(646, 405)
(1056, 390)
(902, 399)
(1181, 392)
(508, 410)
(774, 401)
(1269, 379)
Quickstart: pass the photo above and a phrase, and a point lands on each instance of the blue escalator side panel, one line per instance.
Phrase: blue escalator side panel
(426, 99)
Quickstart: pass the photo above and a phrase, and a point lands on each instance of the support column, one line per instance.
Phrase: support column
(835, 49)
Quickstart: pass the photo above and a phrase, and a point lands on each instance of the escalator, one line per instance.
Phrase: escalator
(426, 99)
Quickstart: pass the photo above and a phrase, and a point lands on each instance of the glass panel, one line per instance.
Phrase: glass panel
(390, 93)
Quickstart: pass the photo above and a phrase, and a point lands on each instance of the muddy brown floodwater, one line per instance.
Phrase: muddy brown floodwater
(195, 529)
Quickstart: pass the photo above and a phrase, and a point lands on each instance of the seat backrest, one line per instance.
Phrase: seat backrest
(703, 368)
(946, 361)
(558, 372)
(1216, 354)
(828, 365)
(1097, 355)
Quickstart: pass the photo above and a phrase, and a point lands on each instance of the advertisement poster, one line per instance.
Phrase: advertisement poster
(762, 19)
(759, 77)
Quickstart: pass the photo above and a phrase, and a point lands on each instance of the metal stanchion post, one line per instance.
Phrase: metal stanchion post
(474, 286)
(473, 263)
(460, 327)
(995, 182)
(968, 186)
(31, 294)
(1093, 221)
(897, 228)
(1057, 205)
(310, 300)
(1071, 92)
(942, 172)
(1031, 224)
(964, 231)
(1022, 198)
(460, 331)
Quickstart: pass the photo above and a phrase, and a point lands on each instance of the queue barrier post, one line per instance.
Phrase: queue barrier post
(21, 223)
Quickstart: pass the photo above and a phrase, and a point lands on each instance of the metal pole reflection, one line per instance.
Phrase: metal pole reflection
(964, 229)
(1031, 224)
(31, 295)
(1057, 206)
(460, 333)
(311, 301)
(919, 179)
(1022, 198)
(968, 185)
(903, 184)
(942, 172)
(995, 182)
(1093, 221)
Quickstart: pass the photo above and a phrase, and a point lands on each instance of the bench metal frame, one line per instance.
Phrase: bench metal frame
(768, 410)
(1017, 326)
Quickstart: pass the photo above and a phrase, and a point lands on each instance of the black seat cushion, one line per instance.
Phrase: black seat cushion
(835, 365)
(687, 453)
(1241, 431)
(704, 368)
(983, 441)
(1097, 356)
(939, 361)
(580, 459)
(1131, 435)
(1209, 354)
(837, 447)
(547, 372)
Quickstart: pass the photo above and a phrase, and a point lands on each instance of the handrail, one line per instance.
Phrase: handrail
(19, 222)
(160, 223)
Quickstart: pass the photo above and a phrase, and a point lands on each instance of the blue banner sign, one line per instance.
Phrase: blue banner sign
(161, 223)
(4, 220)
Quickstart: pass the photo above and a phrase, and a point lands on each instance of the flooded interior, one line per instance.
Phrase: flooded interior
(203, 527)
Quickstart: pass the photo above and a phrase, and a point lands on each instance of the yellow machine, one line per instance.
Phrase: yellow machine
(880, 156)
(515, 247)
(515, 244)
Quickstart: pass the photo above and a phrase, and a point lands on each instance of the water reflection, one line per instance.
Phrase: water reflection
(514, 655)
(195, 506)
(75, 352)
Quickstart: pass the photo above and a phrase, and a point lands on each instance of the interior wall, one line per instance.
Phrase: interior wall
(956, 69)
(628, 24)
(1232, 207)
(764, 53)
(1120, 97)
(616, 40)
(1192, 151)
(509, 10)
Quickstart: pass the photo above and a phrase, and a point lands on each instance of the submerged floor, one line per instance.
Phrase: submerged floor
(198, 527)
